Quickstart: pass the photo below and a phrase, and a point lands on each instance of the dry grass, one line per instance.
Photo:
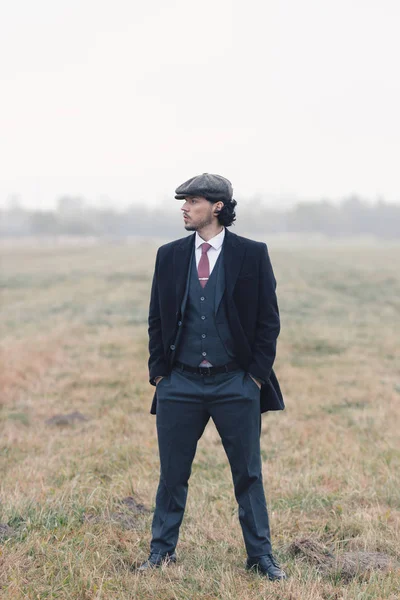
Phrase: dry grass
(77, 494)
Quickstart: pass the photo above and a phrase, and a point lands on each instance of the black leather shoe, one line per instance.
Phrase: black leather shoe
(156, 560)
(266, 565)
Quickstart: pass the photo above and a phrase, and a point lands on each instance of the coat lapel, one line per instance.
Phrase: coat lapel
(234, 253)
(181, 269)
(220, 283)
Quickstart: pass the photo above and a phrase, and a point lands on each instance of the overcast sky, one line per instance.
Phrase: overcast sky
(122, 101)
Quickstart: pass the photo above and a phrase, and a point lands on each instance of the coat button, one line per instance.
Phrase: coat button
(179, 323)
(172, 347)
(203, 335)
(203, 317)
(202, 298)
(204, 353)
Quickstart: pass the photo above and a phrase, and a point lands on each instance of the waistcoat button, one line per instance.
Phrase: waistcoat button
(172, 347)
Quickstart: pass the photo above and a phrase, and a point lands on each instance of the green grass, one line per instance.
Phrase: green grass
(74, 338)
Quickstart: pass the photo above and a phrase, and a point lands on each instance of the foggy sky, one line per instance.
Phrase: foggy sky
(121, 102)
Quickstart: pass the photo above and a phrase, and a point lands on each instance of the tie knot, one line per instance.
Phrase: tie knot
(205, 247)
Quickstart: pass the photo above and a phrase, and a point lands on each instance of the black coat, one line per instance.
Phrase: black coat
(250, 303)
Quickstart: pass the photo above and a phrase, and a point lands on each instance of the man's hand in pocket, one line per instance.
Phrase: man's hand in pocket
(256, 382)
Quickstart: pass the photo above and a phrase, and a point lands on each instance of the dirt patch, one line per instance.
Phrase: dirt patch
(131, 503)
(127, 516)
(312, 551)
(6, 532)
(66, 419)
(347, 565)
(354, 564)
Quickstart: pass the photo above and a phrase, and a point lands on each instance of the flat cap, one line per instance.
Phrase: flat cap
(208, 185)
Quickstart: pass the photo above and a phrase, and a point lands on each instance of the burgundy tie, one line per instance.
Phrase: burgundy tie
(204, 265)
(204, 271)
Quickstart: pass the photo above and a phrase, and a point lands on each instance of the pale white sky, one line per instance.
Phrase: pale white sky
(122, 101)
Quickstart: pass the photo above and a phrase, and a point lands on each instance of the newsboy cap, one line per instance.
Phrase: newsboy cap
(212, 187)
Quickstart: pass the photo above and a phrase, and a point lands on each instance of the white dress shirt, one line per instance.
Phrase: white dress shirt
(213, 252)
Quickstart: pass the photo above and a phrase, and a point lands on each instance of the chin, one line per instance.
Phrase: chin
(190, 227)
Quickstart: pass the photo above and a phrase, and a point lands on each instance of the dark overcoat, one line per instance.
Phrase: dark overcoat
(249, 297)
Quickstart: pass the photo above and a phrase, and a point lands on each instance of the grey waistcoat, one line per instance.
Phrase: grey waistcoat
(200, 337)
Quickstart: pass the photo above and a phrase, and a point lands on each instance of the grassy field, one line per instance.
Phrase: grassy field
(77, 492)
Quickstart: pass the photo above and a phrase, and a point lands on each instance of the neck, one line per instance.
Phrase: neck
(208, 232)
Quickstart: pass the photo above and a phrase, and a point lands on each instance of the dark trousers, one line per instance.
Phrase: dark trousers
(185, 402)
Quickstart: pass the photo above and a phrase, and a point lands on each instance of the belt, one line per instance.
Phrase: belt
(230, 366)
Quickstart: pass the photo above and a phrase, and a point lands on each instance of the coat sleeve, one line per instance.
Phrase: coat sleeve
(268, 322)
(157, 364)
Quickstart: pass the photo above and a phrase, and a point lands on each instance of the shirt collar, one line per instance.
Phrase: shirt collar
(215, 242)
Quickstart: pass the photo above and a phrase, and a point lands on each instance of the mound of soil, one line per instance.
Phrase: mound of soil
(66, 419)
(127, 516)
(5, 532)
(346, 565)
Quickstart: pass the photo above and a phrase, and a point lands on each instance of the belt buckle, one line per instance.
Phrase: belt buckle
(205, 370)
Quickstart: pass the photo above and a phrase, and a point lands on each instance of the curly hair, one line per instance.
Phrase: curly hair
(227, 214)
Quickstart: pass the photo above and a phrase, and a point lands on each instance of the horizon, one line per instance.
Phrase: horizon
(267, 202)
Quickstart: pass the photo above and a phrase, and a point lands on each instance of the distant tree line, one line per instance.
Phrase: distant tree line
(73, 216)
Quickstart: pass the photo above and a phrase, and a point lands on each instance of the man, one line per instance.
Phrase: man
(213, 326)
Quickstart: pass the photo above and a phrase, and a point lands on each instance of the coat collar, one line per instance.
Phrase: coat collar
(234, 251)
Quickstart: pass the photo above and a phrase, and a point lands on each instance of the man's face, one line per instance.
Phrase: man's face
(198, 212)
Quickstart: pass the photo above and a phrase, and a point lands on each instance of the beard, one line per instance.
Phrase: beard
(206, 221)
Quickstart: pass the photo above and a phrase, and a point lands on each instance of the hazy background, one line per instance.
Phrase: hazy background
(105, 108)
(118, 103)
